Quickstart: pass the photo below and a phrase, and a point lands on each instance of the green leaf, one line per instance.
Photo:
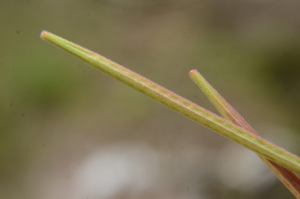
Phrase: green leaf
(178, 103)
(287, 177)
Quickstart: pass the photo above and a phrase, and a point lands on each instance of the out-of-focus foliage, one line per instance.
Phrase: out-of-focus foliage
(57, 113)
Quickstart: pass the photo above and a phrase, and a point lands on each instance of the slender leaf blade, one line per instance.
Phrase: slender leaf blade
(287, 177)
(178, 103)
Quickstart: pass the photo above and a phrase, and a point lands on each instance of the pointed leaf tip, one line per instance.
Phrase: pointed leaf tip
(43, 33)
(192, 72)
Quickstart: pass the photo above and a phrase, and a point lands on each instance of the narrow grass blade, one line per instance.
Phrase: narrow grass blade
(287, 177)
(178, 103)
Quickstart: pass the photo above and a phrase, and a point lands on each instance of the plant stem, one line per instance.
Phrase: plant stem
(178, 103)
(287, 177)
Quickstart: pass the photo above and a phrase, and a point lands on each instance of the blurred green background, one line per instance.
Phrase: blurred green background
(69, 131)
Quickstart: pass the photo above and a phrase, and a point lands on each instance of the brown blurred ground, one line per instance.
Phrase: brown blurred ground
(58, 114)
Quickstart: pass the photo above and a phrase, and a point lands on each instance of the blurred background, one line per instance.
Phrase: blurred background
(69, 131)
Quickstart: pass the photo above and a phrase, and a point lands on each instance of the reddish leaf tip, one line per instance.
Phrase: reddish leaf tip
(193, 72)
(43, 34)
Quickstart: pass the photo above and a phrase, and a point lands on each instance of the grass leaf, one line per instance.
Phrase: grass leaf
(287, 177)
(178, 103)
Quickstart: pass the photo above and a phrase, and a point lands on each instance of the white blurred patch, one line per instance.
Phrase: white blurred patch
(135, 170)
(110, 171)
(242, 169)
